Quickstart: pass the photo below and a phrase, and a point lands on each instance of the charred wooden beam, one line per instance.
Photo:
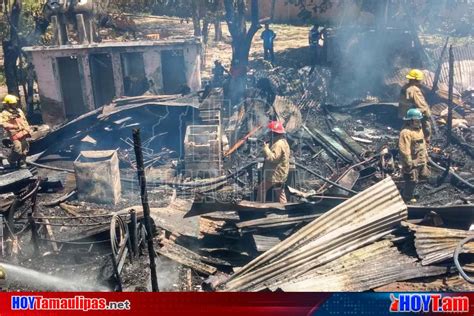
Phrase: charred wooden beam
(450, 96)
(330, 144)
(146, 207)
(185, 257)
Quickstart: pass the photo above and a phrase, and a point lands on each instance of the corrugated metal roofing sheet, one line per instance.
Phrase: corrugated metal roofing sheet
(463, 70)
(361, 220)
(436, 244)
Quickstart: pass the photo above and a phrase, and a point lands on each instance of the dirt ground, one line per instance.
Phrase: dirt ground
(288, 37)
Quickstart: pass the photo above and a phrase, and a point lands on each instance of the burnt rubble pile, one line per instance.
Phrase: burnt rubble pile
(345, 224)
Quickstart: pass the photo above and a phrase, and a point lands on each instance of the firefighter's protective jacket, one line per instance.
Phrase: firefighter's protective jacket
(411, 96)
(15, 124)
(277, 161)
(412, 146)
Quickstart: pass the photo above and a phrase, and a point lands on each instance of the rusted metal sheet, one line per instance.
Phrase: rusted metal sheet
(357, 222)
(14, 177)
(274, 222)
(436, 244)
(264, 243)
(364, 269)
(463, 72)
(463, 67)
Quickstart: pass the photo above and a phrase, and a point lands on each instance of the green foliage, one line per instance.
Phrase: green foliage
(310, 8)
(4, 28)
(30, 8)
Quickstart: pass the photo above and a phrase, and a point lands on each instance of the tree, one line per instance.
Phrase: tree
(235, 15)
(20, 26)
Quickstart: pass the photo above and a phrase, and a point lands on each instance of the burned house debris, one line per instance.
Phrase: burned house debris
(146, 177)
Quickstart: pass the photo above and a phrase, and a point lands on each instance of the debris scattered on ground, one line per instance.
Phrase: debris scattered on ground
(345, 227)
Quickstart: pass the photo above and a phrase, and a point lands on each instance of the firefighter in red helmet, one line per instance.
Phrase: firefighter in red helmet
(277, 163)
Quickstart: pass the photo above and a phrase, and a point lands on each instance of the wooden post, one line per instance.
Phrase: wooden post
(146, 207)
(119, 287)
(438, 69)
(450, 95)
(33, 226)
(34, 233)
(133, 232)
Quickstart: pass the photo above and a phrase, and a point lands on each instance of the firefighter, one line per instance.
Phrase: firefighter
(411, 97)
(413, 153)
(14, 122)
(277, 164)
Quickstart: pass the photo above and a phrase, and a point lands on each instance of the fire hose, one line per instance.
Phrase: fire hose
(457, 251)
(118, 243)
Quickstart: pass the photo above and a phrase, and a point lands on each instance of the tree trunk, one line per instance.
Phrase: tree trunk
(241, 44)
(11, 49)
(205, 39)
(205, 31)
(197, 26)
(218, 30)
(196, 18)
(10, 56)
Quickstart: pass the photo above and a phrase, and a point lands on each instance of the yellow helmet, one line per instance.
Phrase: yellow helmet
(416, 74)
(10, 99)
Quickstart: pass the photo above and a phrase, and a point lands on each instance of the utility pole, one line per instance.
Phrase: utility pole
(137, 144)
(450, 95)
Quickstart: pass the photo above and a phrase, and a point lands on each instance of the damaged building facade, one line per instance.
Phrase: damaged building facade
(76, 79)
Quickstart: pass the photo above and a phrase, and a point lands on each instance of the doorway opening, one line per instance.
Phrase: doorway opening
(71, 86)
(102, 79)
(174, 77)
(134, 77)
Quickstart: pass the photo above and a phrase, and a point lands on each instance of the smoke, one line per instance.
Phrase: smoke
(369, 42)
(168, 274)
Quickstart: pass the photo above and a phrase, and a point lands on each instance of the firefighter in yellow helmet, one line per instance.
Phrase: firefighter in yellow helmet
(413, 153)
(13, 121)
(411, 97)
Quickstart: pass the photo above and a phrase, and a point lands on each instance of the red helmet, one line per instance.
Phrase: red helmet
(276, 127)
